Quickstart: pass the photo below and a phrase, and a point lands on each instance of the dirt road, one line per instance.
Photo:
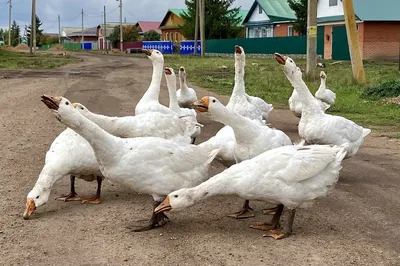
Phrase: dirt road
(357, 224)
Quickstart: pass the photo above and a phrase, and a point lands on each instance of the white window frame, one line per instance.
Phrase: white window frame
(290, 31)
(166, 36)
(333, 3)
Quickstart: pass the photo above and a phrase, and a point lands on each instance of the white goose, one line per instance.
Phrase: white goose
(147, 165)
(149, 101)
(70, 154)
(185, 113)
(238, 101)
(152, 124)
(316, 127)
(323, 93)
(186, 96)
(290, 175)
(251, 139)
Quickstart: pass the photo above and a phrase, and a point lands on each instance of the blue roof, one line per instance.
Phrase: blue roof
(377, 10)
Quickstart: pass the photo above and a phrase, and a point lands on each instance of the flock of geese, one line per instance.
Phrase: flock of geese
(153, 152)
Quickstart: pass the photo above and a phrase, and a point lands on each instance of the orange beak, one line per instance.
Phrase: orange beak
(238, 49)
(167, 71)
(75, 105)
(29, 209)
(281, 59)
(164, 206)
(51, 102)
(202, 105)
(147, 52)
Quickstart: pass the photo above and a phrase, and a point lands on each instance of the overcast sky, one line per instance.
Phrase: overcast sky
(70, 11)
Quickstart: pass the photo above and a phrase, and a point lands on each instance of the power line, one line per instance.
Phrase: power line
(51, 25)
(128, 12)
(73, 18)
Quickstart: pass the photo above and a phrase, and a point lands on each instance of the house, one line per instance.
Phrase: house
(74, 34)
(169, 26)
(145, 26)
(109, 28)
(378, 24)
(269, 18)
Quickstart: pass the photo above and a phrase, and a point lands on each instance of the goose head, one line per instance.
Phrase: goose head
(182, 72)
(322, 75)
(36, 197)
(62, 109)
(239, 54)
(290, 68)
(169, 72)
(154, 55)
(177, 200)
(208, 104)
(81, 108)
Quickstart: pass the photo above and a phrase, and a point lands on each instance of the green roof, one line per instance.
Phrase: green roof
(374, 10)
(276, 10)
(178, 12)
(243, 15)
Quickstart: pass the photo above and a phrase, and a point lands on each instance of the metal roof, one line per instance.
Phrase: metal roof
(374, 10)
(276, 10)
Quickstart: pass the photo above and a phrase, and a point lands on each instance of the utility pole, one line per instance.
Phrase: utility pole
(196, 27)
(33, 28)
(59, 29)
(311, 38)
(105, 30)
(202, 26)
(83, 44)
(121, 39)
(354, 44)
(9, 23)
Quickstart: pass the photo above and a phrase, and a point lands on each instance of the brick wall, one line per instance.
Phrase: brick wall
(281, 30)
(381, 40)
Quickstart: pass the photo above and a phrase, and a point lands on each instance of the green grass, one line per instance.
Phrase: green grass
(265, 78)
(22, 60)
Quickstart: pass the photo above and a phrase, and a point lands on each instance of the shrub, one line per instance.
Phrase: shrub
(384, 90)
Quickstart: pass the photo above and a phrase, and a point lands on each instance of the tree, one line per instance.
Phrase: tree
(39, 32)
(129, 33)
(151, 35)
(15, 34)
(300, 9)
(222, 21)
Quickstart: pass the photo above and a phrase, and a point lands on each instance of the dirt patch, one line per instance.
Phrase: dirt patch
(357, 224)
(22, 46)
(57, 47)
(395, 100)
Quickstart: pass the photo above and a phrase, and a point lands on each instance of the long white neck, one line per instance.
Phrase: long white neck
(173, 100)
(49, 175)
(153, 91)
(242, 127)
(182, 82)
(103, 143)
(239, 88)
(219, 184)
(105, 122)
(323, 84)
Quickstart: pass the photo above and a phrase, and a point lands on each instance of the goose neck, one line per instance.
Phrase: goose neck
(173, 101)
(154, 89)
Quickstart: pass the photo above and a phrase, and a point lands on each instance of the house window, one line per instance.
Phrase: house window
(290, 31)
(166, 36)
(176, 36)
(332, 2)
(259, 9)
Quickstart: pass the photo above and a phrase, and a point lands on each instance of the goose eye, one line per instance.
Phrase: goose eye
(175, 196)
(37, 197)
(67, 103)
(214, 101)
(82, 108)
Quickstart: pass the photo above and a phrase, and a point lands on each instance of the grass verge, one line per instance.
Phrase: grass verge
(22, 60)
(264, 78)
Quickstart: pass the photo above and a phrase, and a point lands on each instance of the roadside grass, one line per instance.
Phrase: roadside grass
(264, 78)
(22, 60)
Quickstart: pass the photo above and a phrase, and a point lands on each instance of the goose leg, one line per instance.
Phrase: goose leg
(285, 232)
(274, 222)
(95, 199)
(72, 196)
(156, 220)
(244, 213)
(271, 210)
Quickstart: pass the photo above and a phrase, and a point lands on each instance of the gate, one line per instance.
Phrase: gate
(340, 46)
(320, 40)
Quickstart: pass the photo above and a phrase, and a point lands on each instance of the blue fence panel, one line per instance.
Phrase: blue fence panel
(187, 47)
(163, 47)
(87, 46)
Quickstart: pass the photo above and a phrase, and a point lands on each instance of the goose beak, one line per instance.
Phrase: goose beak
(281, 59)
(182, 69)
(147, 52)
(238, 49)
(163, 207)
(75, 105)
(51, 102)
(29, 209)
(202, 105)
(168, 71)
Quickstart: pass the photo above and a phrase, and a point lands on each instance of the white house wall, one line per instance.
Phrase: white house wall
(324, 10)
(255, 16)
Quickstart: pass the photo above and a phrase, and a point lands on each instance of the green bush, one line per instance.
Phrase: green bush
(384, 90)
